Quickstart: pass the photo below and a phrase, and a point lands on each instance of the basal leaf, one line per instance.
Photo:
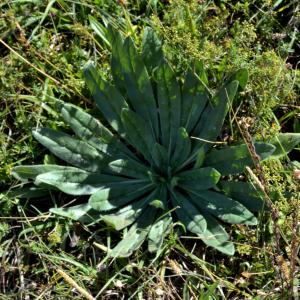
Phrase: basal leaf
(159, 229)
(91, 130)
(126, 215)
(241, 76)
(188, 213)
(78, 182)
(182, 148)
(107, 97)
(24, 173)
(82, 212)
(118, 196)
(284, 143)
(128, 168)
(216, 236)
(234, 159)
(30, 192)
(138, 133)
(198, 179)
(100, 30)
(130, 213)
(223, 207)
(194, 100)
(136, 234)
(245, 193)
(71, 150)
(169, 105)
(151, 49)
(212, 118)
(83, 124)
(136, 82)
(160, 158)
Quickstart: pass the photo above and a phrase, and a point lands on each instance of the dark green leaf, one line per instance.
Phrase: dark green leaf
(188, 213)
(198, 179)
(245, 193)
(213, 116)
(90, 129)
(216, 236)
(79, 182)
(128, 65)
(28, 192)
(158, 231)
(82, 212)
(24, 173)
(100, 30)
(130, 213)
(160, 158)
(225, 208)
(194, 99)
(182, 149)
(200, 71)
(241, 76)
(151, 50)
(138, 133)
(71, 150)
(136, 234)
(169, 105)
(118, 196)
(234, 159)
(128, 168)
(107, 97)
(284, 143)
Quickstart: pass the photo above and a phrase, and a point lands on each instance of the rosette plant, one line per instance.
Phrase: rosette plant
(153, 160)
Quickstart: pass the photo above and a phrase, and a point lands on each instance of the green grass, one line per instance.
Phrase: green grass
(43, 48)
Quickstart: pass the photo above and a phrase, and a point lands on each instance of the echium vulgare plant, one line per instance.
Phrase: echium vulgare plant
(154, 161)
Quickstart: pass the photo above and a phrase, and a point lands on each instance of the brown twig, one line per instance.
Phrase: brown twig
(74, 284)
(263, 185)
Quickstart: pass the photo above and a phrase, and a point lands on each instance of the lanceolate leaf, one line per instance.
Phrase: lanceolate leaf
(212, 118)
(225, 208)
(182, 148)
(160, 228)
(169, 105)
(216, 236)
(30, 192)
(130, 213)
(188, 213)
(126, 215)
(79, 182)
(136, 234)
(138, 133)
(71, 150)
(91, 130)
(198, 179)
(284, 143)
(136, 82)
(128, 168)
(24, 173)
(234, 159)
(83, 124)
(241, 76)
(160, 158)
(107, 97)
(151, 50)
(82, 212)
(158, 231)
(200, 72)
(245, 193)
(118, 196)
(194, 97)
